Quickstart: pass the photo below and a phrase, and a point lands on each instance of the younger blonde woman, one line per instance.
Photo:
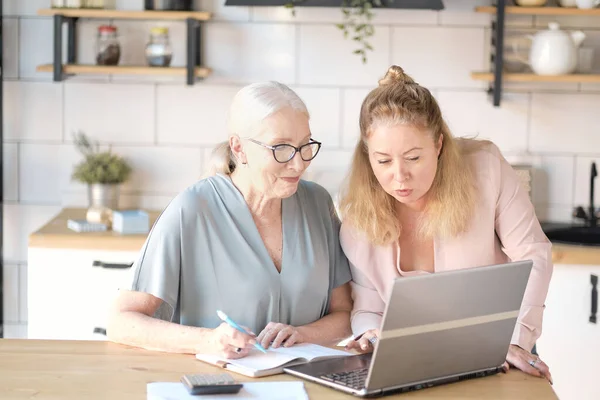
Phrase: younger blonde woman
(420, 201)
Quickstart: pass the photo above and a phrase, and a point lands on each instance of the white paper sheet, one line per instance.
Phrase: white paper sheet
(251, 390)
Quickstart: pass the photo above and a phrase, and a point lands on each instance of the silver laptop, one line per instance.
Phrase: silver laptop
(437, 328)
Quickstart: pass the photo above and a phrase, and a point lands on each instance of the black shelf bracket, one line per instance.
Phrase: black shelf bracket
(497, 51)
(59, 20)
(194, 53)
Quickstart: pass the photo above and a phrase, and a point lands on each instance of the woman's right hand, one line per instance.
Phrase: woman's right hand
(231, 343)
(365, 343)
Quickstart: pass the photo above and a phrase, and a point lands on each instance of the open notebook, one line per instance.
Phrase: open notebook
(272, 362)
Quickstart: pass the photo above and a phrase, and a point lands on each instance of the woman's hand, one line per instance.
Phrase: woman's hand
(231, 343)
(365, 342)
(278, 334)
(526, 362)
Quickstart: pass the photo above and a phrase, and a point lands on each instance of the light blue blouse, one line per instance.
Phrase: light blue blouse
(205, 253)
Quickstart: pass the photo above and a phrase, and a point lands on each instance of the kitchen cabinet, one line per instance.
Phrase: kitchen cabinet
(70, 291)
(74, 277)
(570, 343)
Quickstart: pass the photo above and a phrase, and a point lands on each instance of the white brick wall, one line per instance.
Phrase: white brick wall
(167, 129)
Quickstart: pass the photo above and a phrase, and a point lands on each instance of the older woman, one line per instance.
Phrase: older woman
(252, 240)
(420, 201)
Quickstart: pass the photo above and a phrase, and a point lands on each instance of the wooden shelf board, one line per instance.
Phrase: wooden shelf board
(125, 14)
(540, 10)
(201, 72)
(508, 77)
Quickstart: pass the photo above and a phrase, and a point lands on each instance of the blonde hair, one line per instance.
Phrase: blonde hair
(399, 100)
(249, 108)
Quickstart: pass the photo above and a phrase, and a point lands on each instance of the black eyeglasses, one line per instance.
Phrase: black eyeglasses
(285, 152)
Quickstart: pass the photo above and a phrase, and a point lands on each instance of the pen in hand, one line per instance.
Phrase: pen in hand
(230, 322)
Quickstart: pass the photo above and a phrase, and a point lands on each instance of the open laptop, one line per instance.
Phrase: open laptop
(437, 328)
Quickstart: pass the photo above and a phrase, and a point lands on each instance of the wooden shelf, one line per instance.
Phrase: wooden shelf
(124, 14)
(557, 11)
(511, 77)
(201, 72)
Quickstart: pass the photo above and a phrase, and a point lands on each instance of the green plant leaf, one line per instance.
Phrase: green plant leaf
(99, 167)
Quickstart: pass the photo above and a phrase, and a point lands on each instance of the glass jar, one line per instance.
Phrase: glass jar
(108, 49)
(94, 4)
(158, 50)
(67, 3)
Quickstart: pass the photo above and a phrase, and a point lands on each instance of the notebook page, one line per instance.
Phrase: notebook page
(310, 351)
(273, 358)
(257, 360)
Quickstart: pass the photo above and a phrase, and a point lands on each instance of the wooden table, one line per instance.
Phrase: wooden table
(77, 370)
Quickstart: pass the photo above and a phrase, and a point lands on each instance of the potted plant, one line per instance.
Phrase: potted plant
(103, 172)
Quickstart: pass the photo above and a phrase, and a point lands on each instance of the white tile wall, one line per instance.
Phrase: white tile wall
(161, 169)
(554, 129)
(440, 57)
(23, 7)
(554, 213)
(10, 43)
(186, 115)
(109, 112)
(331, 62)
(324, 108)
(11, 229)
(167, 129)
(20, 220)
(554, 181)
(45, 172)
(459, 12)
(352, 99)
(35, 46)
(33, 111)
(10, 166)
(472, 114)
(251, 52)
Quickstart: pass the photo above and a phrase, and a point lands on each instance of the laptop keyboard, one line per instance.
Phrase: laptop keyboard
(354, 379)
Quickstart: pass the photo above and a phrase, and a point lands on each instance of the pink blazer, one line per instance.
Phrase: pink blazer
(504, 228)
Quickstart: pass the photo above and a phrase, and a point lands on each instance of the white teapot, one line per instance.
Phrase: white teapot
(553, 52)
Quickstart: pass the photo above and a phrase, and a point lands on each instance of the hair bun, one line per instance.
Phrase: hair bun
(396, 75)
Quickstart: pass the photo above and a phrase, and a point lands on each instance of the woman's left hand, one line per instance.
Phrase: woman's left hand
(278, 334)
(526, 362)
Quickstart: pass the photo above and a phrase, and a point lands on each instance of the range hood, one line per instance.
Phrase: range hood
(405, 4)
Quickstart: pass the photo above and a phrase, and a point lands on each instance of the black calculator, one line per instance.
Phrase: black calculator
(210, 384)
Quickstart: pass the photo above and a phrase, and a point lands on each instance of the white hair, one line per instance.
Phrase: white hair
(249, 108)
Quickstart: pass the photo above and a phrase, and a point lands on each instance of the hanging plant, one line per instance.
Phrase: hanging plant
(357, 24)
(357, 16)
